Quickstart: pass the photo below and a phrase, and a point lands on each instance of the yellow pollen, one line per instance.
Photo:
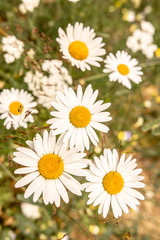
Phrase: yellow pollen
(123, 69)
(80, 116)
(113, 182)
(16, 108)
(50, 166)
(78, 50)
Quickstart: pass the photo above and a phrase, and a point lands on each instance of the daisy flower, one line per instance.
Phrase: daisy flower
(77, 115)
(111, 182)
(16, 107)
(123, 69)
(48, 165)
(80, 46)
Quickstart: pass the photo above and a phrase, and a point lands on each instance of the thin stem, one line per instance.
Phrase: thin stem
(147, 64)
(89, 235)
(3, 32)
(94, 77)
(8, 172)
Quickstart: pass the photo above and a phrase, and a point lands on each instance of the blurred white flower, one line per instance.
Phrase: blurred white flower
(28, 5)
(149, 51)
(30, 210)
(45, 87)
(12, 47)
(142, 40)
(147, 27)
(128, 15)
(94, 229)
(139, 40)
(74, 1)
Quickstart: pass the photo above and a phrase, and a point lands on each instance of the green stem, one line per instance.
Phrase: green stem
(88, 234)
(97, 76)
(8, 172)
(147, 64)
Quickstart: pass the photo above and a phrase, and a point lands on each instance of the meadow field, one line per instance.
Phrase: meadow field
(79, 119)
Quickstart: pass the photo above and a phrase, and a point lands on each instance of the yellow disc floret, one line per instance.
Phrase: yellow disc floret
(50, 166)
(78, 50)
(113, 182)
(16, 108)
(123, 69)
(80, 116)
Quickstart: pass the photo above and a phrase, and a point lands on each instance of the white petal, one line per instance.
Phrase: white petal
(100, 198)
(27, 179)
(106, 205)
(122, 203)
(62, 190)
(25, 162)
(33, 186)
(51, 142)
(74, 157)
(28, 152)
(25, 170)
(134, 193)
(45, 142)
(39, 190)
(117, 211)
(70, 185)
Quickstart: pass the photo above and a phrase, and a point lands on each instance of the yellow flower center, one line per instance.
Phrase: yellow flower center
(157, 53)
(123, 69)
(113, 182)
(80, 116)
(16, 108)
(78, 50)
(50, 166)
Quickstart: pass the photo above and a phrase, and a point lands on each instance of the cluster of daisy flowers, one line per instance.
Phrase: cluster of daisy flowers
(12, 48)
(142, 40)
(80, 46)
(51, 164)
(44, 84)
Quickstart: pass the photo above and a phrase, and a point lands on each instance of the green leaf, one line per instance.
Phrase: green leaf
(156, 131)
(151, 125)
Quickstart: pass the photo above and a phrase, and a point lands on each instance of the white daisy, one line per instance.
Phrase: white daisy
(80, 46)
(123, 69)
(77, 115)
(111, 182)
(16, 107)
(48, 165)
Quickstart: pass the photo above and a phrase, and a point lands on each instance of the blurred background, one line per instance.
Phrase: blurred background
(134, 129)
